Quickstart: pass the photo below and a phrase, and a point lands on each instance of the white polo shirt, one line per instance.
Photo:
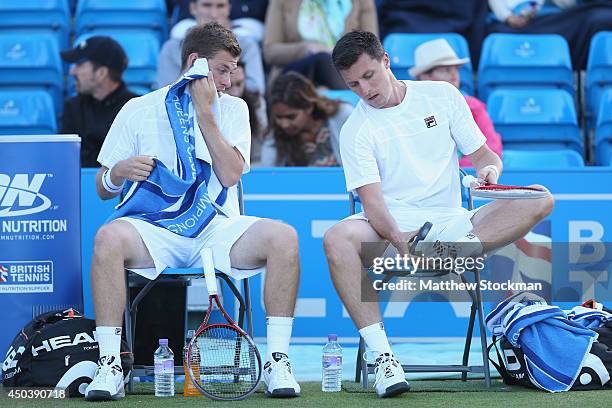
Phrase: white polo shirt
(411, 148)
(142, 128)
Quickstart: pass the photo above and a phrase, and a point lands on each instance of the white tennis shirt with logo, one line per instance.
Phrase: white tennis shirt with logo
(411, 149)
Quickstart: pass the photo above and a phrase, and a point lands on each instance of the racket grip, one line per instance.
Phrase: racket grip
(209, 270)
(468, 180)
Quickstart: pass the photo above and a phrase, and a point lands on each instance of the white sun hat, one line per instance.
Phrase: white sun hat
(434, 53)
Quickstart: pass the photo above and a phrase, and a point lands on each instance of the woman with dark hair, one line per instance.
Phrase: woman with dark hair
(305, 126)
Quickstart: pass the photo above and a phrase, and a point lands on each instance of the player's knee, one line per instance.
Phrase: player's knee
(108, 240)
(333, 239)
(546, 205)
(282, 236)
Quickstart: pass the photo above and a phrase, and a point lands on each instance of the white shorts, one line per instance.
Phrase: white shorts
(171, 250)
(449, 224)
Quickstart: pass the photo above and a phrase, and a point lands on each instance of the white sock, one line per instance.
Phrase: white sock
(471, 245)
(278, 335)
(375, 338)
(109, 341)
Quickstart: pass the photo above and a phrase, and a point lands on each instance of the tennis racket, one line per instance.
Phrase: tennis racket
(501, 191)
(223, 361)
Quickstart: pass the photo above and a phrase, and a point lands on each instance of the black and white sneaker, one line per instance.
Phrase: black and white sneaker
(390, 377)
(107, 384)
(279, 379)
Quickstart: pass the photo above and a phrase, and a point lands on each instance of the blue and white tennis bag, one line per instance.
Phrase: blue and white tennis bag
(57, 349)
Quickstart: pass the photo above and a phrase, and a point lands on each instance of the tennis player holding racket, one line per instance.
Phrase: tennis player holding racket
(399, 153)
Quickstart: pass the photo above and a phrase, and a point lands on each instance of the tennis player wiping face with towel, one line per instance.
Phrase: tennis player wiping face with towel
(185, 147)
(399, 153)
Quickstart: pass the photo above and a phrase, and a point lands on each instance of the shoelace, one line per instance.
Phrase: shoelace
(285, 368)
(104, 366)
(385, 363)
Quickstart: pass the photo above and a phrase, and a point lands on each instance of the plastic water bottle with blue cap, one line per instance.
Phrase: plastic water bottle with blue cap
(332, 365)
(163, 359)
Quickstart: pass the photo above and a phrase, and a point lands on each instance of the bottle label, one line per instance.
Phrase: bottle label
(332, 362)
(164, 367)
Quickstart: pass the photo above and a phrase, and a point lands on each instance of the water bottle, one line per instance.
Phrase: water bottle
(332, 365)
(164, 370)
(189, 389)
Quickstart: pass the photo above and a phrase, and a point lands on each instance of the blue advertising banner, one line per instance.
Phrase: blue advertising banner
(313, 199)
(40, 228)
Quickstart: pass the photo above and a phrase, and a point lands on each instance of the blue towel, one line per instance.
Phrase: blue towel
(178, 200)
(554, 346)
(589, 318)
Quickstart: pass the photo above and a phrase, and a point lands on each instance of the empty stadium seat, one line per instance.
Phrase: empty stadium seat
(599, 71)
(603, 130)
(343, 95)
(401, 46)
(142, 49)
(100, 15)
(524, 60)
(538, 159)
(26, 112)
(32, 61)
(535, 119)
(29, 16)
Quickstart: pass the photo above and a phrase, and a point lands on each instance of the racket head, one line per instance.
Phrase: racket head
(500, 192)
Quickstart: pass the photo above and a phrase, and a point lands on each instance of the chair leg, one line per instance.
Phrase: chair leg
(247, 305)
(483, 333)
(127, 318)
(468, 339)
(360, 351)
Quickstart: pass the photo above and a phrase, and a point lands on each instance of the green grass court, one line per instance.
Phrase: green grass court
(451, 393)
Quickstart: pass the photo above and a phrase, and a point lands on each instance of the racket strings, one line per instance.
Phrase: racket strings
(226, 363)
(498, 187)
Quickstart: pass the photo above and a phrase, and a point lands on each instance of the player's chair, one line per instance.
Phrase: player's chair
(524, 61)
(364, 368)
(401, 46)
(539, 159)
(169, 275)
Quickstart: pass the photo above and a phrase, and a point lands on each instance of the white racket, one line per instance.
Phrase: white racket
(501, 191)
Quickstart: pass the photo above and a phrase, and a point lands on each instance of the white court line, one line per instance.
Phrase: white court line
(344, 197)
(355, 340)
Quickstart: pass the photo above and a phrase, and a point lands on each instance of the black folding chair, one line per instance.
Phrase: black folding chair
(181, 274)
(364, 368)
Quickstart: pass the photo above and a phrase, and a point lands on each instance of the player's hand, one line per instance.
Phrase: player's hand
(137, 168)
(203, 93)
(488, 175)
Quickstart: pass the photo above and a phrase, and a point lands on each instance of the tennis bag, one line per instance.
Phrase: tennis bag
(56, 349)
(594, 375)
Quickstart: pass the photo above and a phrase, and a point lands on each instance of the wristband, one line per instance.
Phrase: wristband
(108, 184)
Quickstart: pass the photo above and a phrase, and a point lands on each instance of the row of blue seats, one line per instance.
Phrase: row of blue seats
(28, 16)
(540, 119)
(516, 61)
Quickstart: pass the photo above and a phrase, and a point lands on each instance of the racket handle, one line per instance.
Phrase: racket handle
(468, 180)
(209, 270)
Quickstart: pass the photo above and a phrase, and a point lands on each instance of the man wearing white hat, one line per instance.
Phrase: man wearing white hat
(436, 60)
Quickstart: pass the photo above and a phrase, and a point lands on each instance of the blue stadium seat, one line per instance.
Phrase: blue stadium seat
(401, 46)
(535, 119)
(599, 71)
(603, 131)
(142, 49)
(29, 16)
(32, 61)
(26, 112)
(100, 15)
(343, 95)
(524, 60)
(538, 159)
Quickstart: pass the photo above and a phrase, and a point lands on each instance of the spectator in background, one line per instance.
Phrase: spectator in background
(437, 61)
(248, 17)
(207, 11)
(99, 63)
(577, 23)
(466, 17)
(300, 35)
(305, 125)
(257, 110)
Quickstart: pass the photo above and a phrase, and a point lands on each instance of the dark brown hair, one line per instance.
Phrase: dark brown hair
(207, 40)
(349, 48)
(297, 92)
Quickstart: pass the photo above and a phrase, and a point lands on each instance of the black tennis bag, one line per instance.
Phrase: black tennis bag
(57, 349)
(595, 373)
